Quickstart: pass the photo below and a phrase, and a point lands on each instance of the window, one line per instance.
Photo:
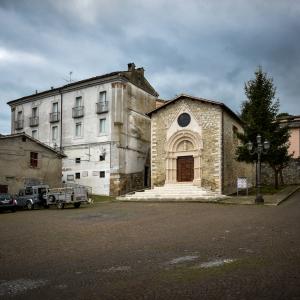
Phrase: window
(19, 116)
(102, 174)
(78, 101)
(78, 129)
(102, 157)
(54, 133)
(33, 159)
(70, 177)
(34, 112)
(102, 97)
(102, 125)
(34, 134)
(234, 134)
(77, 160)
(55, 107)
(77, 175)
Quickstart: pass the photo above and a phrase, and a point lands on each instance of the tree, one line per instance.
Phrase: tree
(259, 114)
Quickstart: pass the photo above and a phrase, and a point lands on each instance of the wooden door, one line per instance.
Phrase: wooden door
(185, 168)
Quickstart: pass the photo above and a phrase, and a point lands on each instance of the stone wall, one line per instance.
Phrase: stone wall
(208, 118)
(233, 169)
(121, 184)
(291, 174)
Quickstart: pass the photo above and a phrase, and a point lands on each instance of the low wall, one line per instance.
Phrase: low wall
(291, 174)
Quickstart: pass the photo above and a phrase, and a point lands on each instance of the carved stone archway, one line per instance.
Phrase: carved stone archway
(183, 143)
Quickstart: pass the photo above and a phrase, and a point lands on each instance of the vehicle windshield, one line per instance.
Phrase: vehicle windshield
(42, 190)
(5, 197)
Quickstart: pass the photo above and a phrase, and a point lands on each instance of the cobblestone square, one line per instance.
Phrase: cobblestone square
(152, 251)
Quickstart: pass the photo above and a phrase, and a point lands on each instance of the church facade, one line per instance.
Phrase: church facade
(194, 140)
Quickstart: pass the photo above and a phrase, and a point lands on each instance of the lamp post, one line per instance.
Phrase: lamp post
(262, 148)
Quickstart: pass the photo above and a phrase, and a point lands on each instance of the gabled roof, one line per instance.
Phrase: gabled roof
(135, 76)
(22, 134)
(184, 96)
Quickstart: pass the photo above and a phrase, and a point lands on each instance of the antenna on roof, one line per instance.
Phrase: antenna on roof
(69, 80)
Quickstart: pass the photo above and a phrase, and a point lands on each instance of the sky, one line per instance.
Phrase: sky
(205, 48)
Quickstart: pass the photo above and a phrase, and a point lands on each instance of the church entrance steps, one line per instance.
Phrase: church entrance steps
(174, 192)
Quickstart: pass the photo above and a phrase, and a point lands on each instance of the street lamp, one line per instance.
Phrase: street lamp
(261, 148)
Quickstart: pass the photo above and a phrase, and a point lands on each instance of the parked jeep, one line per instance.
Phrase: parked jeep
(32, 196)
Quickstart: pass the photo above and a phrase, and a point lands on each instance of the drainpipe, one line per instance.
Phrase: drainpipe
(61, 119)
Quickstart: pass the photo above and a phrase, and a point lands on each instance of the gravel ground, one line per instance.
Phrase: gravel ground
(152, 251)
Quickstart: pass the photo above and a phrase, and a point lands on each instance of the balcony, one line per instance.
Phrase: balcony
(101, 107)
(19, 124)
(78, 111)
(33, 121)
(54, 117)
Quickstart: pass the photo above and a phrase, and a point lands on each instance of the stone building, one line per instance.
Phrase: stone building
(194, 140)
(99, 123)
(24, 159)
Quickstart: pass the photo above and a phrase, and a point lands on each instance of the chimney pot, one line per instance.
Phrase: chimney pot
(131, 67)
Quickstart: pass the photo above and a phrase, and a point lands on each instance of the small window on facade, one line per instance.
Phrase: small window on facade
(34, 112)
(102, 157)
(102, 174)
(78, 101)
(70, 177)
(55, 107)
(20, 115)
(78, 129)
(54, 133)
(33, 159)
(77, 160)
(77, 175)
(102, 97)
(34, 134)
(102, 125)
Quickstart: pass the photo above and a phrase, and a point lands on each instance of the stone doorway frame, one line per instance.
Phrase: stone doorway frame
(172, 153)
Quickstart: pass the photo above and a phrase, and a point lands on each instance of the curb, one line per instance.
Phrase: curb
(287, 196)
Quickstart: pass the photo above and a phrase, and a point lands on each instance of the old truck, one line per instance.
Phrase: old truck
(32, 196)
(69, 194)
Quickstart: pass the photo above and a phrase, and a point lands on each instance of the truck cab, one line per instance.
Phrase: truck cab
(32, 196)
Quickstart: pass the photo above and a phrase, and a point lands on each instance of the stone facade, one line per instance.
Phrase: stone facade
(233, 169)
(291, 174)
(208, 138)
(17, 167)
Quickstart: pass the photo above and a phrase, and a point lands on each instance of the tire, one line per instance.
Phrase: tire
(29, 205)
(77, 204)
(51, 199)
(60, 205)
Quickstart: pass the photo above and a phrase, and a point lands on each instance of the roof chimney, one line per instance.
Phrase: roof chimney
(131, 67)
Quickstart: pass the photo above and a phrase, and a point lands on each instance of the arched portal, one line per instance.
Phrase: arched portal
(183, 159)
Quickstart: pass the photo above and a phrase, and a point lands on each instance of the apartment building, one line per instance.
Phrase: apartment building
(99, 123)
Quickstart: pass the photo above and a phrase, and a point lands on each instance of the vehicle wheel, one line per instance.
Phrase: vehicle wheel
(29, 205)
(77, 204)
(60, 205)
(52, 199)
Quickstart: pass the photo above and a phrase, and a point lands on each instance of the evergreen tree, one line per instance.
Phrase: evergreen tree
(259, 114)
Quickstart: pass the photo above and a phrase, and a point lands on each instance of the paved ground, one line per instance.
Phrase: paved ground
(152, 251)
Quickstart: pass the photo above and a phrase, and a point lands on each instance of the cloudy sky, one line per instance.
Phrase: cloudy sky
(206, 48)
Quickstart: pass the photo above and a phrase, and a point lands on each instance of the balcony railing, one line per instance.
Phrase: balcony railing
(78, 111)
(54, 117)
(33, 121)
(19, 124)
(101, 107)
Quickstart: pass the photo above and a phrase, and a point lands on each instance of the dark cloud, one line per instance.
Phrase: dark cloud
(204, 48)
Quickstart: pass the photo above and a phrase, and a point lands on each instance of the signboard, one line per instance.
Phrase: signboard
(242, 184)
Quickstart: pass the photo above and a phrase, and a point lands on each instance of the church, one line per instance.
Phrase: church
(193, 140)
